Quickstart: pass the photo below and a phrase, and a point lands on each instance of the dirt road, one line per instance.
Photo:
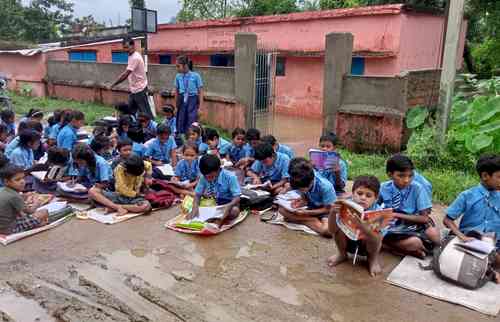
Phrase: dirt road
(139, 271)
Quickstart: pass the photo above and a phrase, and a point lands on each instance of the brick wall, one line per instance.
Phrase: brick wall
(423, 87)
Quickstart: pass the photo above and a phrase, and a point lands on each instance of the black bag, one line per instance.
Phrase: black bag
(256, 199)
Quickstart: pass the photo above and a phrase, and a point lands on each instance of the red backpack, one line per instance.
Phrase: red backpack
(161, 195)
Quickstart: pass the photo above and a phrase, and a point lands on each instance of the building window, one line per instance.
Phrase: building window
(358, 66)
(165, 59)
(280, 66)
(119, 57)
(222, 60)
(83, 55)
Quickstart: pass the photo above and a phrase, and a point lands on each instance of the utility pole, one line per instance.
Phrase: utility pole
(448, 73)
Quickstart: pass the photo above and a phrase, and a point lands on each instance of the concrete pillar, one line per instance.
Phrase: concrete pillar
(245, 64)
(338, 59)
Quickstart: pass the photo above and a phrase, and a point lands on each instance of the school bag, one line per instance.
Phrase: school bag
(160, 196)
(459, 267)
(256, 199)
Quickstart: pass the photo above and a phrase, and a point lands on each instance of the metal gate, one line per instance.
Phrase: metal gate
(263, 111)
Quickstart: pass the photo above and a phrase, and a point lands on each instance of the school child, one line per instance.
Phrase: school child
(162, 149)
(90, 168)
(14, 143)
(67, 136)
(100, 145)
(170, 119)
(338, 175)
(124, 148)
(365, 191)
(125, 109)
(253, 140)
(318, 197)
(285, 149)
(22, 156)
(414, 232)
(187, 170)
(124, 124)
(33, 114)
(236, 150)
(270, 166)
(8, 118)
(214, 144)
(56, 157)
(132, 175)
(219, 184)
(137, 138)
(16, 216)
(194, 135)
(479, 206)
(188, 94)
(63, 118)
(148, 126)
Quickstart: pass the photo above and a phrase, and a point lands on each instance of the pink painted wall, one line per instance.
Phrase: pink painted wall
(25, 70)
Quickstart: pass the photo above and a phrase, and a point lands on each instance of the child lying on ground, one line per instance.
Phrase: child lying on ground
(132, 175)
(319, 196)
(270, 166)
(15, 216)
(364, 192)
(220, 185)
(479, 207)
(414, 232)
(187, 170)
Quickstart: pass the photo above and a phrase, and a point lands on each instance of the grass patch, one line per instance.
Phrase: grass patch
(447, 183)
(93, 111)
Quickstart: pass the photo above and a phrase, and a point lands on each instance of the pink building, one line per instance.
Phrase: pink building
(388, 40)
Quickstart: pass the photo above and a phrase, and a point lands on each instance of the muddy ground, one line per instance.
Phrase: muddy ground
(138, 271)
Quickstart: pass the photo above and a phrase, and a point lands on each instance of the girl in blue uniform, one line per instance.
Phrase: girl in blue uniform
(189, 94)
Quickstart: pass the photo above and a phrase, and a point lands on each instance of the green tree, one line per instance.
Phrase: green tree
(137, 3)
(203, 9)
(11, 14)
(247, 8)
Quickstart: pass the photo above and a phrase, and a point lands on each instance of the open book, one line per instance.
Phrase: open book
(323, 160)
(477, 245)
(69, 187)
(54, 173)
(286, 200)
(180, 184)
(166, 170)
(265, 185)
(376, 219)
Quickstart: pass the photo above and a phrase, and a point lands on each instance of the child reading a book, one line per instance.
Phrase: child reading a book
(479, 207)
(62, 118)
(337, 175)
(132, 176)
(187, 171)
(16, 216)
(57, 169)
(220, 185)
(253, 140)
(236, 150)
(278, 147)
(90, 168)
(214, 144)
(22, 156)
(270, 166)
(365, 191)
(124, 148)
(318, 196)
(148, 126)
(414, 232)
(162, 149)
(68, 136)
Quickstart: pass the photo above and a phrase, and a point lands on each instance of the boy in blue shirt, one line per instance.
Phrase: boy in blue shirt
(281, 148)
(162, 149)
(219, 184)
(365, 192)
(319, 196)
(236, 150)
(67, 137)
(253, 140)
(270, 166)
(479, 207)
(148, 126)
(413, 232)
(338, 175)
(214, 144)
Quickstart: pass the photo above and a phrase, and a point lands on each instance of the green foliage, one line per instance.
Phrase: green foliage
(137, 3)
(486, 56)
(416, 117)
(203, 9)
(338, 4)
(26, 90)
(248, 8)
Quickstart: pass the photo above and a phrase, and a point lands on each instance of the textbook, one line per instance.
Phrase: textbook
(68, 187)
(323, 160)
(286, 200)
(375, 219)
(166, 170)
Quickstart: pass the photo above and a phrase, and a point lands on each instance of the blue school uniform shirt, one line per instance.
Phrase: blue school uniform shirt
(67, 137)
(426, 184)
(285, 149)
(329, 174)
(223, 147)
(159, 151)
(185, 171)
(322, 192)
(138, 149)
(191, 81)
(236, 153)
(414, 198)
(150, 130)
(249, 151)
(11, 128)
(22, 157)
(171, 123)
(276, 172)
(102, 173)
(479, 209)
(11, 146)
(225, 188)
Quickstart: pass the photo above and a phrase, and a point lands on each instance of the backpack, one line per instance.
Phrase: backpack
(256, 200)
(454, 265)
(161, 195)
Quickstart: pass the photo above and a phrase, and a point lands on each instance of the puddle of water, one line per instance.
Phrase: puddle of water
(287, 294)
(142, 264)
(22, 309)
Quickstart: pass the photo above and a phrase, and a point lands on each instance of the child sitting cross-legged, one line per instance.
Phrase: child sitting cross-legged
(236, 150)
(16, 216)
(365, 191)
(132, 176)
(162, 149)
(318, 197)
(220, 185)
(187, 170)
(23, 156)
(68, 135)
(479, 207)
(270, 166)
(414, 232)
(90, 168)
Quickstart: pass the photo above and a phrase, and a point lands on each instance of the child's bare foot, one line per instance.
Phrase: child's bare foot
(336, 260)
(121, 211)
(374, 267)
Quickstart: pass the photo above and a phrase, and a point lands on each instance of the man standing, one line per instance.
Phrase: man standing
(137, 80)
